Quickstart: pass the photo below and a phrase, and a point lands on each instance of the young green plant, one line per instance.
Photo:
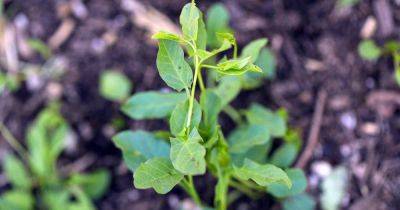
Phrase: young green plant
(195, 143)
(35, 181)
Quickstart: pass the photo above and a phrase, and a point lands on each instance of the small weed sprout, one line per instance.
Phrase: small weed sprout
(195, 143)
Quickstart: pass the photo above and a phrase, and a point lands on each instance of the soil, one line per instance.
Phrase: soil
(316, 47)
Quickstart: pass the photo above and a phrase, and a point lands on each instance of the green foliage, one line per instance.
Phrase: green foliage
(157, 173)
(152, 105)
(114, 85)
(37, 171)
(347, 3)
(302, 201)
(39, 46)
(195, 143)
(368, 50)
(9, 82)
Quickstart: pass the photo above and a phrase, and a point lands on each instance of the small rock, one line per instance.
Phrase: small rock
(321, 168)
(339, 102)
(54, 91)
(314, 65)
(348, 120)
(369, 28)
(370, 128)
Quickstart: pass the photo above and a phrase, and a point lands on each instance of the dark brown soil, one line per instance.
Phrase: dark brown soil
(316, 48)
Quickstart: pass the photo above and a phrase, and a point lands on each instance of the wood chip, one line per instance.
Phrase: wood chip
(314, 65)
(62, 33)
(147, 17)
(384, 15)
(8, 46)
(369, 28)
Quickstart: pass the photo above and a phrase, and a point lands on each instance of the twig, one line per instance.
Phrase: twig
(312, 139)
(14, 143)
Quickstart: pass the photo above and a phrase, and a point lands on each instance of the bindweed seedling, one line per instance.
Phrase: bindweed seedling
(35, 181)
(114, 85)
(195, 143)
(368, 50)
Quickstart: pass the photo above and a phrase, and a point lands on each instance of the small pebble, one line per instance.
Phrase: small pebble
(370, 128)
(321, 168)
(348, 120)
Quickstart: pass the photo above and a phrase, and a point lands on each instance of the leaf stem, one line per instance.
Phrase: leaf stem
(14, 143)
(244, 189)
(201, 82)
(189, 187)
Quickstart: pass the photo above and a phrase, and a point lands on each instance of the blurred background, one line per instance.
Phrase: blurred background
(334, 74)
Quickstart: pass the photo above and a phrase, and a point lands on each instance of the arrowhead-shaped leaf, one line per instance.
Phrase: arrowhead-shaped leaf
(253, 49)
(152, 105)
(258, 115)
(171, 65)
(263, 175)
(189, 20)
(157, 173)
(179, 117)
(188, 155)
(246, 137)
(139, 146)
(16, 172)
(217, 21)
(299, 185)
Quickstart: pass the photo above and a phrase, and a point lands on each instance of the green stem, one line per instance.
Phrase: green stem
(189, 187)
(244, 189)
(191, 99)
(201, 82)
(233, 114)
(13, 142)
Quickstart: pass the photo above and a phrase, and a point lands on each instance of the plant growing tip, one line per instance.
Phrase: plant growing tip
(195, 143)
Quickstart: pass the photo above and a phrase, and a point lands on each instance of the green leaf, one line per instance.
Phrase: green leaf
(347, 3)
(211, 106)
(257, 153)
(205, 55)
(201, 42)
(302, 201)
(334, 189)
(217, 22)
(236, 66)
(285, 155)
(17, 200)
(56, 199)
(16, 172)
(40, 47)
(258, 115)
(81, 201)
(228, 89)
(188, 155)
(179, 117)
(140, 146)
(246, 137)
(189, 20)
(114, 85)
(263, 175)
(162, 35)
(46, 138)
(253, 49)
(94, 184)
(299, 185)
(157, 173)
(152, 105)
(171, 65)
(368, 50)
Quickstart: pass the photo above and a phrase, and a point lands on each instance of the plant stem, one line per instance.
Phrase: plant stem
(13, 142)
(244, 189)
(189, 187)
(233, 114)
(201, 82)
